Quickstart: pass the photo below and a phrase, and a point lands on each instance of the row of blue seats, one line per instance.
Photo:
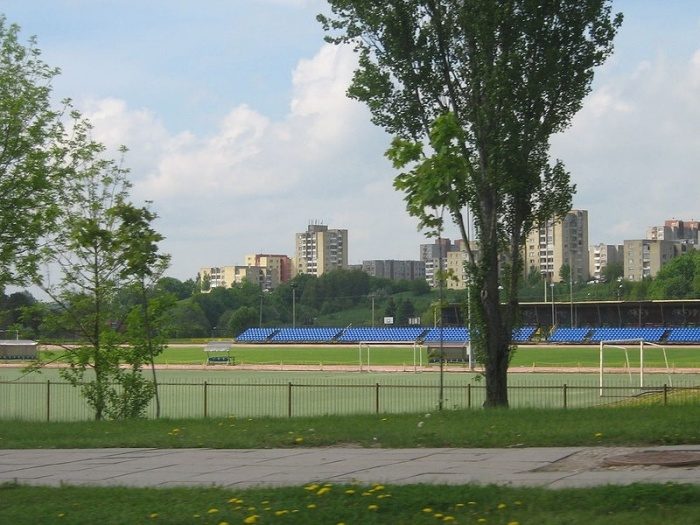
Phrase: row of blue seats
(460, 334)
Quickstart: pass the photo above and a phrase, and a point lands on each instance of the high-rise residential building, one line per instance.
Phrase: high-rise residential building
(430, 255)
(276, 268)
(644, 258)
(395, 270)
(552, 245)
(600, 256)
(320, 250)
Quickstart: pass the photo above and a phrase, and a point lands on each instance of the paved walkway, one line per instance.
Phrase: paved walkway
(554, 467)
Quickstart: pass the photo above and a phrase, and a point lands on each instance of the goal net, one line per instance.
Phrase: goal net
(627, 345)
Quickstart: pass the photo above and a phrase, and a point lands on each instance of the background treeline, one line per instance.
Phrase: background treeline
(338, 298)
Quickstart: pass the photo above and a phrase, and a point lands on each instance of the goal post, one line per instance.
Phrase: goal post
(625, 345)
(364, 352)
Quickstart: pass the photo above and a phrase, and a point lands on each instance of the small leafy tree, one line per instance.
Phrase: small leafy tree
(102, 245)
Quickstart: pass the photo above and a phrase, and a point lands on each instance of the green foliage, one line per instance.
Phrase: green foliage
(678, 279)
(36, 155)
(472, 91)
(243, 318)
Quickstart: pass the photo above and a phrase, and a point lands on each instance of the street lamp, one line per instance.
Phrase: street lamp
(294, 306)
(554, 319)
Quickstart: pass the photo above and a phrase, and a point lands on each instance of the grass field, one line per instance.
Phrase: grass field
(529, 356)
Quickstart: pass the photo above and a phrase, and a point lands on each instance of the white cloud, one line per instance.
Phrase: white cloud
(634, 149)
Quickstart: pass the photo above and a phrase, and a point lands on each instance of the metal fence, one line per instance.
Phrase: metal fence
(59, 401)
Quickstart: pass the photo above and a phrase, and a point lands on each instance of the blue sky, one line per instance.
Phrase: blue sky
(239, 131)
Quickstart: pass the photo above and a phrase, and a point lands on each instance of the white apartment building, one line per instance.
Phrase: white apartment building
(319, 250)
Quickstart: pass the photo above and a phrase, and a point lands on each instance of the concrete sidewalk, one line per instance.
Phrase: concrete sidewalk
(554, 467)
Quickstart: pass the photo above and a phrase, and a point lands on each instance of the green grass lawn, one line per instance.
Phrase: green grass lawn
(353, 504)
(679, 357)
(622, 425)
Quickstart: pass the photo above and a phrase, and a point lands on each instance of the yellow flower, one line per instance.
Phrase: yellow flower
(372, 507)
(153, 515)
(299, 440)
(235, 500)
(378, 487)
(61, 514)
(311, 487)
(311, 506)
(438, 515)
(350, 491)
(513, 523)
(281, 512)
(251, 519)
(427, 510)
(323, 490)
(502, 506)
(518, 502)
(471, 503)
(459, 505)
(599, 434)
(481, 520)
(448, 518)
(223, 523)
(212, 511)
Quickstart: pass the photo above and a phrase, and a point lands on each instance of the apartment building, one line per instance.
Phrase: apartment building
(644, 258)
(394, 270)
(227, 276)
(276, 268)
(456, 266)
(686, 232)
(600, 256)
(319, 250)
(430, 255)
(551, 245)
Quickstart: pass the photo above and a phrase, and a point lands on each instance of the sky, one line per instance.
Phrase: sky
(240, 133)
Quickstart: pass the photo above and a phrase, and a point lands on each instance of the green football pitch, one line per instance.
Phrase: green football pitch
(525, 356)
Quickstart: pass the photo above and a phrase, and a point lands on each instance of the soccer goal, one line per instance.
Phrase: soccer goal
(626, 345)
(364, 349)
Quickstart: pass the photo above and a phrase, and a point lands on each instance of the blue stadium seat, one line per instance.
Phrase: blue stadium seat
(256, 335)
(684, 335)
(568, 335)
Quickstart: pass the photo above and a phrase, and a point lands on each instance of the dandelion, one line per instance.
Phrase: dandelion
(299, 440)
(471, 503)
(518, 502)
(384, 419)
(513, 523)
(382, 496)
(153, 515)
(253, 518)
(366, 493)
(427, 415)
(235, 500)
(350, 492)
(311, 487)
(212, 511)
(438, 515)
(223, 523)
(598, 434)
(481, 520)
(448, 518)
(372, 507)
(61, 514)
(281, 512)
(378, 487)
(311, 506)
(502, 506)
(323, 490)
(459, 505)
(420, 424)
(427, 510)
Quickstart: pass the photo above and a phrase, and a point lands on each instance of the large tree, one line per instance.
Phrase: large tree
(35, 155)
(473, 91)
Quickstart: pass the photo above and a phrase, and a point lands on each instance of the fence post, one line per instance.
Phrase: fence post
(665, 394)
(205, 400)
(564, 392)
(48, 400)
(469, 395)
(289, 399)
(376, 398)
